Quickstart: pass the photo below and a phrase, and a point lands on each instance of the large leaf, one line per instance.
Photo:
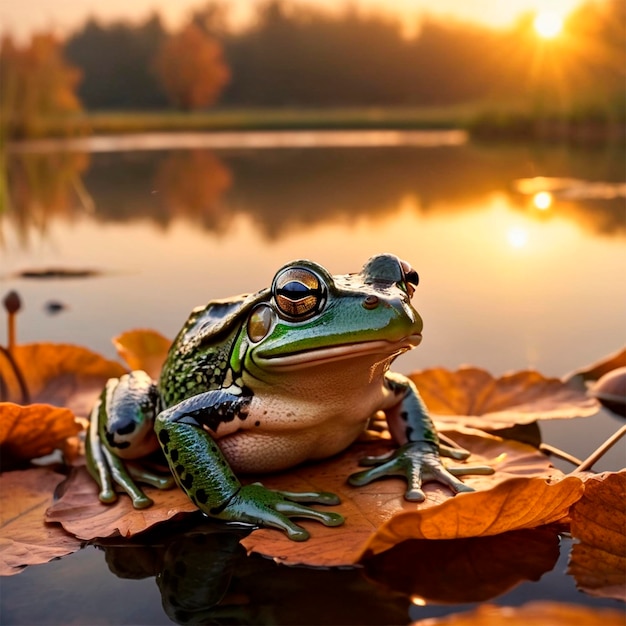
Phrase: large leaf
(365, 508)
(516, 503)
(25, 539)
(28, 432)
(459, 571)
(59, 374)
(536, 613)
(143, 350)
(80, 512)
(473, 397)
(598, 560)
(368, 508)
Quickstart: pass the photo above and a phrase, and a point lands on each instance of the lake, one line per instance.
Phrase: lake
(520, 251)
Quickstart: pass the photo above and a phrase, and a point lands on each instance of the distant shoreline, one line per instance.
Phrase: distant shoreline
(478, 121)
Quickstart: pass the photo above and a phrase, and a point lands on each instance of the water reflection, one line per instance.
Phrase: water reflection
(286, 190)
(45, 187)
(205, 577)
(191, 184)
(170, 230)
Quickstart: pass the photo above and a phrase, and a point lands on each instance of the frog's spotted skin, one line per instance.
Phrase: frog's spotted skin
(263, 382)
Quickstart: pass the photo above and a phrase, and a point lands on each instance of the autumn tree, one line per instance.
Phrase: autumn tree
(36, 83)
(191, 68)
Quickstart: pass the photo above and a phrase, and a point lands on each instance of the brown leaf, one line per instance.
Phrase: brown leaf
(459, 571)
(473, 397)
(28, 432)
(143, 350)
(511, 505)
(367, 508)
(80, 512)
(598, 561)
(535, 613)
(60, 374)
(596, 370)
(25, 539)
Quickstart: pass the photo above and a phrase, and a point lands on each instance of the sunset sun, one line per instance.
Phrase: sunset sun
(547, 24)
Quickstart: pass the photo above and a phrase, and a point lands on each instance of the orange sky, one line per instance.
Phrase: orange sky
(23, 16)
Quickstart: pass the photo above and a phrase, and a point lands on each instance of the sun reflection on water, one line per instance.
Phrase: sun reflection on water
(542, 200)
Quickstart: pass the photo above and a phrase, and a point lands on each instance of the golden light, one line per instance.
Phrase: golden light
(517, 237)
(548, 24)
(542, 200)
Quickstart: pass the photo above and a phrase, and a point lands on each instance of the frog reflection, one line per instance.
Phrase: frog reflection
(205, 577)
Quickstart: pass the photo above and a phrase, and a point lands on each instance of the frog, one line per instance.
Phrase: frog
(267, 381)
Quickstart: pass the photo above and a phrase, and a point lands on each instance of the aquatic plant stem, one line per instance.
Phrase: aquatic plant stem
(561, 454)
(601, 450)
(25, 395)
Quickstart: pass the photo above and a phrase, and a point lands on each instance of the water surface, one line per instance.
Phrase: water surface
(520, 252)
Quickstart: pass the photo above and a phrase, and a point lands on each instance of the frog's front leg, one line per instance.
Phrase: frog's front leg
(121, 430)
(203, 473)
(417, 458)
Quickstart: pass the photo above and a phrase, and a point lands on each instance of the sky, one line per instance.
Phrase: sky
(22, 17)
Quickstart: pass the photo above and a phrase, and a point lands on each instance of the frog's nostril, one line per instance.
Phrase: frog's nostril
(370, 302)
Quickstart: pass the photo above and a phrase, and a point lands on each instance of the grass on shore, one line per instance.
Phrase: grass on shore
(128, 122)
(482, 121)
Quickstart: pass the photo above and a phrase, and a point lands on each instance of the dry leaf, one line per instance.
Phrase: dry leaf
(28, 432)
(460, 571)
(535, 613)
(598, 561)
(473, 397)
(60, 374)
(514, 504)
(80, 512)
(25, 538)
(143, 350)
(579, 377)
(367, 508)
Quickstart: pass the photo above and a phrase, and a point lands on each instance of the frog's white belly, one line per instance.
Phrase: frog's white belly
(279, 433)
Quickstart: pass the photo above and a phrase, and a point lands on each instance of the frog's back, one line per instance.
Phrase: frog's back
(199, 358)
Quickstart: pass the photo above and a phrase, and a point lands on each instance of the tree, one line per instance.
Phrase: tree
(36, 83)
(191, 68)
(116, 62)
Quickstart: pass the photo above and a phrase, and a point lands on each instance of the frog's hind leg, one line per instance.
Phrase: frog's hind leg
(121, 429)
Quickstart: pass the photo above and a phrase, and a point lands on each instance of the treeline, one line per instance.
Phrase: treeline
(294, 56)
(302, 57)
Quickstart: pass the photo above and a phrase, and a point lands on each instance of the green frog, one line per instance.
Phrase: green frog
(266, 381)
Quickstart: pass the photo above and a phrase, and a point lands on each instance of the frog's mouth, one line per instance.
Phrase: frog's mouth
(320, 356)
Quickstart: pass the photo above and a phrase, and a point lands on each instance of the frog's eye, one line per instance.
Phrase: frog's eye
(411, 278)
(260, 322)
(298, 293)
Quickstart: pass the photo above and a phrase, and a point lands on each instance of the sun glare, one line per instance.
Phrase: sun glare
(542, 200)
(548, 24)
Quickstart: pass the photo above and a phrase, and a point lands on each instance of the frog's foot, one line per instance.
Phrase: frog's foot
(254, 504)
(110, 471)
(419, 463)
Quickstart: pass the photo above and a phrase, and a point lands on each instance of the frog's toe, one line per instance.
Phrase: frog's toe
(107, 496)
(294, 509)
(141, 502)
(294, 532)
(312, 497)
(365, 477)
(458, 454)
(414, 494)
